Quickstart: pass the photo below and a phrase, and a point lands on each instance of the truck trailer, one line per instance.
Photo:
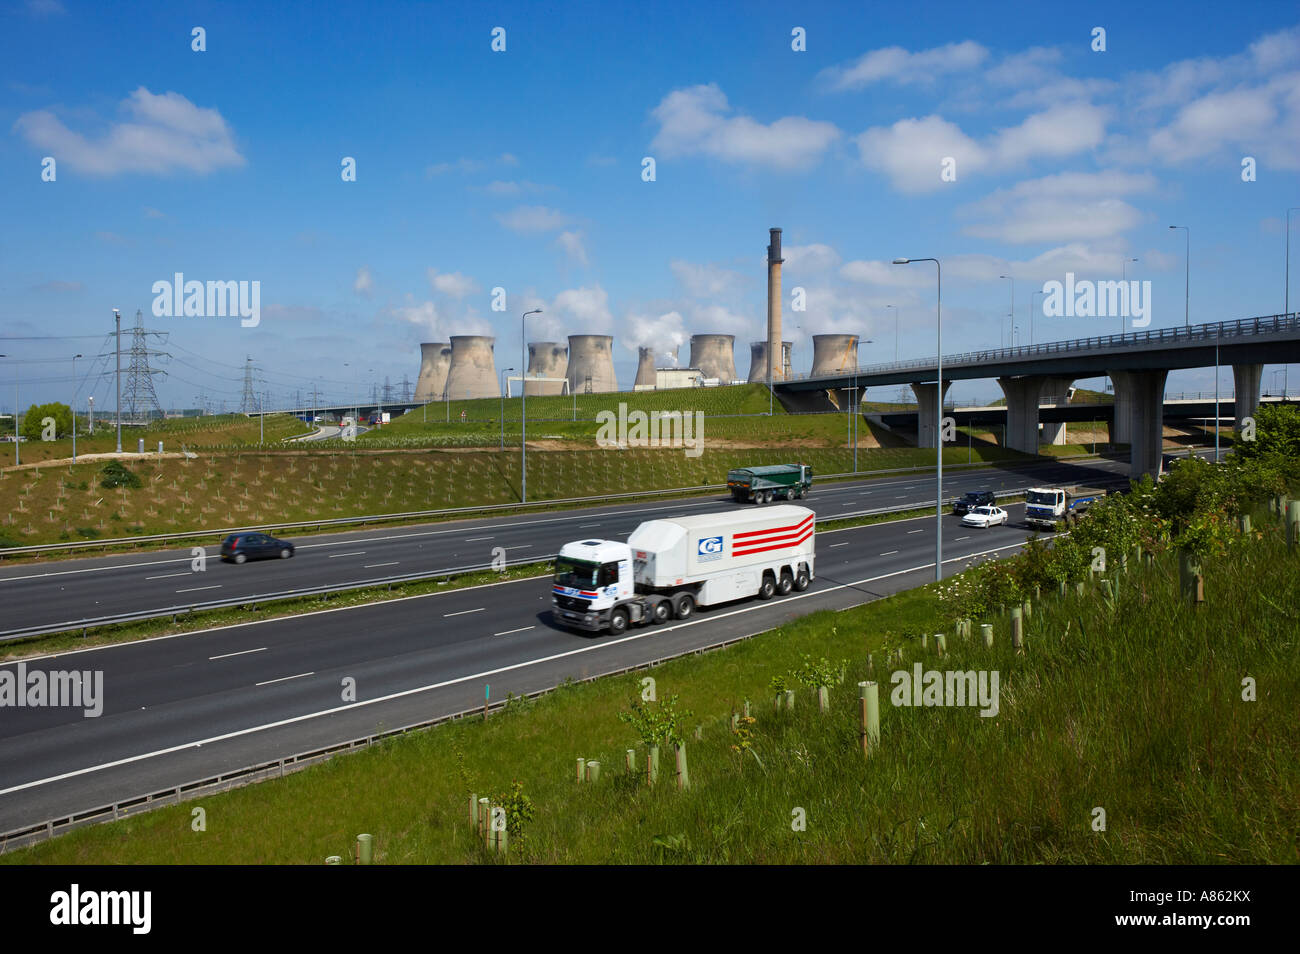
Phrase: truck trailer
(774, 482)
(1045, 507)
(669, 567)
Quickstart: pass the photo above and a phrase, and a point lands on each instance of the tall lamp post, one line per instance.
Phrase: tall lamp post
(74, 407)
(90, 404)
(505, 384)
(854, 406)
(16, 460)
(938, 416)
(523, 407)
(1187, 272)
(1123, 272)
(117, 347)
(1011, 308)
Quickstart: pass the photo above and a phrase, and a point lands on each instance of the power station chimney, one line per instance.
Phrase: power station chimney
(758, 360)
(591, 364)
(472, 372)
(645, 368)
(774, 260)
(435, 359)
(546, 359)
(715, 356)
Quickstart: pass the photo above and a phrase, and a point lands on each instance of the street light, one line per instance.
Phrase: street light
(90, 400)
(1187, 271)
(1124, 275)
(74, 407)
(1011, 310)
(16, 460)
(505, 385)
(938, 417)
(523, 407)
(853, 408)
(895, 307)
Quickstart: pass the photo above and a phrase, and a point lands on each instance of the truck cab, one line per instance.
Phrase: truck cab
(591, 576)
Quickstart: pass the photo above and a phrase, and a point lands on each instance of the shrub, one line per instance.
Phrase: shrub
(114, 474)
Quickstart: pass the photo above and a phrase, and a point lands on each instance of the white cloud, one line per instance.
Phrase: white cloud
(365, 281)
(467, 165)
(887, 274)
(665, 333)
(586, 309)
(911, 152)
(511, 187)
(151, 213)
(1233, 117)
(897, 65)
(807, 259)
(452, 284)
(166, 133)
(696, 122)
(705, 281)
(571, 242)
(533, 218)
(1068, 206)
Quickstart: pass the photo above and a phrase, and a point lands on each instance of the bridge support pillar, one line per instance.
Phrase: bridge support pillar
(1122, 384)
(1146, 422)
(1245, 384)
(926, 395)
(1022, 411)
(1055, 391)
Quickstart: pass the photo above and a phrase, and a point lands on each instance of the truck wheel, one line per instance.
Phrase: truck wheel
(661, 612)
(768, 587)
(786, 583)
(683, 605)
(802, 579)
(618, 622)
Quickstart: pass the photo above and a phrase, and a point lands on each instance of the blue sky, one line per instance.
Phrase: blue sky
(522, 170)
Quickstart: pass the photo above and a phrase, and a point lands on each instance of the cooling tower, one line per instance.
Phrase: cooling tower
(591, 364)
(775, 371)
(758, 360)
(473, 372)
(435, 358)
(645, 368)
(546, 359)
(834, 353)
(715, 356)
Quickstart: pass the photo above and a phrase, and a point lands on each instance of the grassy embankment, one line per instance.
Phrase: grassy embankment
(1132, 705)
(403, 468)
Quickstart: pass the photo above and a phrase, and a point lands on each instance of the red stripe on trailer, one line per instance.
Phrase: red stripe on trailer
(772, 536)
(790, 527)
(777, 546)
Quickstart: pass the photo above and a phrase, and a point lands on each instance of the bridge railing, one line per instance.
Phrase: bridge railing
(1211, 331)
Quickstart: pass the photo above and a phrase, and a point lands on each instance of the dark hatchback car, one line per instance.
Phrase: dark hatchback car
(975, 498)
(241, 547)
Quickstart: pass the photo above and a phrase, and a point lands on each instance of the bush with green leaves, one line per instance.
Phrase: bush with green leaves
(657, 721)
(812, 673)
(115, 474)
(519, 810)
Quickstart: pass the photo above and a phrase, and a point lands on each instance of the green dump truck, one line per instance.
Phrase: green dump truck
(761, 485)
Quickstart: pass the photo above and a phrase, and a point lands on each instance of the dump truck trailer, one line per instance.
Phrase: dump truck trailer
(774, 482)
(669, 567)
(1045, 507)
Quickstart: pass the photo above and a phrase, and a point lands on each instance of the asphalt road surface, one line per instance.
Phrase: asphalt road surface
(65, 592)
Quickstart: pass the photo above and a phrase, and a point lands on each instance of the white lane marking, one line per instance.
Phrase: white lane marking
(889, 553)
(243, 652)
(959, 539)
(285, 678)
(476, 677)
(463, 612)
(371, 566)
(922, 530)
(355, 553)
(166, 576)
(521, 629)
(864, 493)
(195, 589)
(476, 539)
(518, 546)
(584, 526)
(834, 545)
(900, 496)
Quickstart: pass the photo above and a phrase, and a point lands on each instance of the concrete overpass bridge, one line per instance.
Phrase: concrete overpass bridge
(1031, 375)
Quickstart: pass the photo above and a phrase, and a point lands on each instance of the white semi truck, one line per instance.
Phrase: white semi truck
(669, 567)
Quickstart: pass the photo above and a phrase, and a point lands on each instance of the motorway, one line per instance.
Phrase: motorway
(186, 707)
(66, 592)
